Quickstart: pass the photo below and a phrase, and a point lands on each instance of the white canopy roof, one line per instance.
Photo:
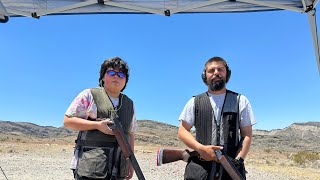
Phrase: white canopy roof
(38, 8)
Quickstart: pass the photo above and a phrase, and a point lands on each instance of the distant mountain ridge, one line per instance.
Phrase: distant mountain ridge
(30, 129)
(296, 136)
(308, 130)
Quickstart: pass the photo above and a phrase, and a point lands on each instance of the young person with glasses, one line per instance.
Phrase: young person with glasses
(97, 154)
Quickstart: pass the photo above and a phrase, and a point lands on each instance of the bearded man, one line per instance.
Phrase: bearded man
(222, 120)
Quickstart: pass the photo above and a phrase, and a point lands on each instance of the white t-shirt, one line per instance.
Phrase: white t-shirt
(83, 106)
(246, 114)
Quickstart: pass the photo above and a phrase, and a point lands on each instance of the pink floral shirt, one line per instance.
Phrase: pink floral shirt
(83, 106)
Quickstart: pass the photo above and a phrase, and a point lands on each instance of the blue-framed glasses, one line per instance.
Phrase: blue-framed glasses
(121, 75)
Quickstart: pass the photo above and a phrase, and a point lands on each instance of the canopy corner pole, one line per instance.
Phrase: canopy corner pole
(311, 12)
(4, 16)
(315, 3)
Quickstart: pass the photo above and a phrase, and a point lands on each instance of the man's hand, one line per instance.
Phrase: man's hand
(207, 152)
(103, 126)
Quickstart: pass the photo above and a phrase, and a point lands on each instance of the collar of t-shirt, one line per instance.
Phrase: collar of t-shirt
(115, 101)
(216, 101)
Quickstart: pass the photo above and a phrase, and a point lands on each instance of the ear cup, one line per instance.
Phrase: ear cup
(203, 76)
(228, 73)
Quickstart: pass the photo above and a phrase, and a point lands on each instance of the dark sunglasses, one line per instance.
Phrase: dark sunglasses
(121, 75)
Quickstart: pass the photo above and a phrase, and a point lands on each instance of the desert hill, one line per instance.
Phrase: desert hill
(30, 129)
(294, 137)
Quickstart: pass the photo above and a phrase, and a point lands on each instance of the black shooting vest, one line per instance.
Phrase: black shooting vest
(104, 148)
(208, 132)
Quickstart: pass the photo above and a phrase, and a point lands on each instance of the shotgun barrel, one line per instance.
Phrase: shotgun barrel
(125, 146)
(228, 166)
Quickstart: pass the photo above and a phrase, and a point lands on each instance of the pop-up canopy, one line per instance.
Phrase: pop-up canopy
(38, 8)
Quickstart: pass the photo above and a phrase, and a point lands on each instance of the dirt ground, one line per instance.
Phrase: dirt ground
(50, 159)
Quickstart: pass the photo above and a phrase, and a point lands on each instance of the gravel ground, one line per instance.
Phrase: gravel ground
(46, 162)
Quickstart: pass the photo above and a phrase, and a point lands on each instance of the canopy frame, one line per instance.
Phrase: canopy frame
(306, 6)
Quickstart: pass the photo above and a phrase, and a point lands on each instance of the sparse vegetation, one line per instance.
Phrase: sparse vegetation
(4, 139)
(267, 150)
(304, 156)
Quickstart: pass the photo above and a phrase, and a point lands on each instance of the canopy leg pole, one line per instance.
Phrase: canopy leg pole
(314, 32)
(4, 16)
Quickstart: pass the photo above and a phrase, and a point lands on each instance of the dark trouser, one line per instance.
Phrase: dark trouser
(197, 169)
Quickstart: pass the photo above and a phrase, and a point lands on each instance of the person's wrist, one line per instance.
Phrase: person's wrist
(199, 147)
(239, 159)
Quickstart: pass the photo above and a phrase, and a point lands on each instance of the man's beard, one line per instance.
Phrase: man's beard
(217, 85)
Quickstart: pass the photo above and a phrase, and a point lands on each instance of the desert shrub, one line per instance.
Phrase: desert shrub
(268, 162)
(267, 150)
(4, 139)
(303, 156)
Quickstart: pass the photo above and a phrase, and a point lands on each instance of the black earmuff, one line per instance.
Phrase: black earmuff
(204, 77)
(228, 73)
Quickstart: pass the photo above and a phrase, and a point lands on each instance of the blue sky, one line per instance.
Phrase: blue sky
(45, 63)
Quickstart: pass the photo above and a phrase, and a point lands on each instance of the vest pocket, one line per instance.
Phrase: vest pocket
(197, 169)
(95, 163)
(231, 135)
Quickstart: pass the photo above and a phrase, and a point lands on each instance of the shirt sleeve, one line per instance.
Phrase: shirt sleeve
(187, 114)
(246, 113)
(81, 106)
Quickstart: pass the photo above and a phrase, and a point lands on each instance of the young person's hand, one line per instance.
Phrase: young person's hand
(103, 126)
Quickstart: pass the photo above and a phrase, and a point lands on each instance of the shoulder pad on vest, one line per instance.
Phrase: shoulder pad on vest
(228, 91)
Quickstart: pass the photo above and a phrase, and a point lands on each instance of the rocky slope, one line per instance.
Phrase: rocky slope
(294, 137)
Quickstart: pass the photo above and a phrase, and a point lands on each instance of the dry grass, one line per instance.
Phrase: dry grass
(265, 160)
(281, 162)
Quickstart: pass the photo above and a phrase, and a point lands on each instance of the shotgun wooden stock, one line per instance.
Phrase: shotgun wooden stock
(171, 155)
